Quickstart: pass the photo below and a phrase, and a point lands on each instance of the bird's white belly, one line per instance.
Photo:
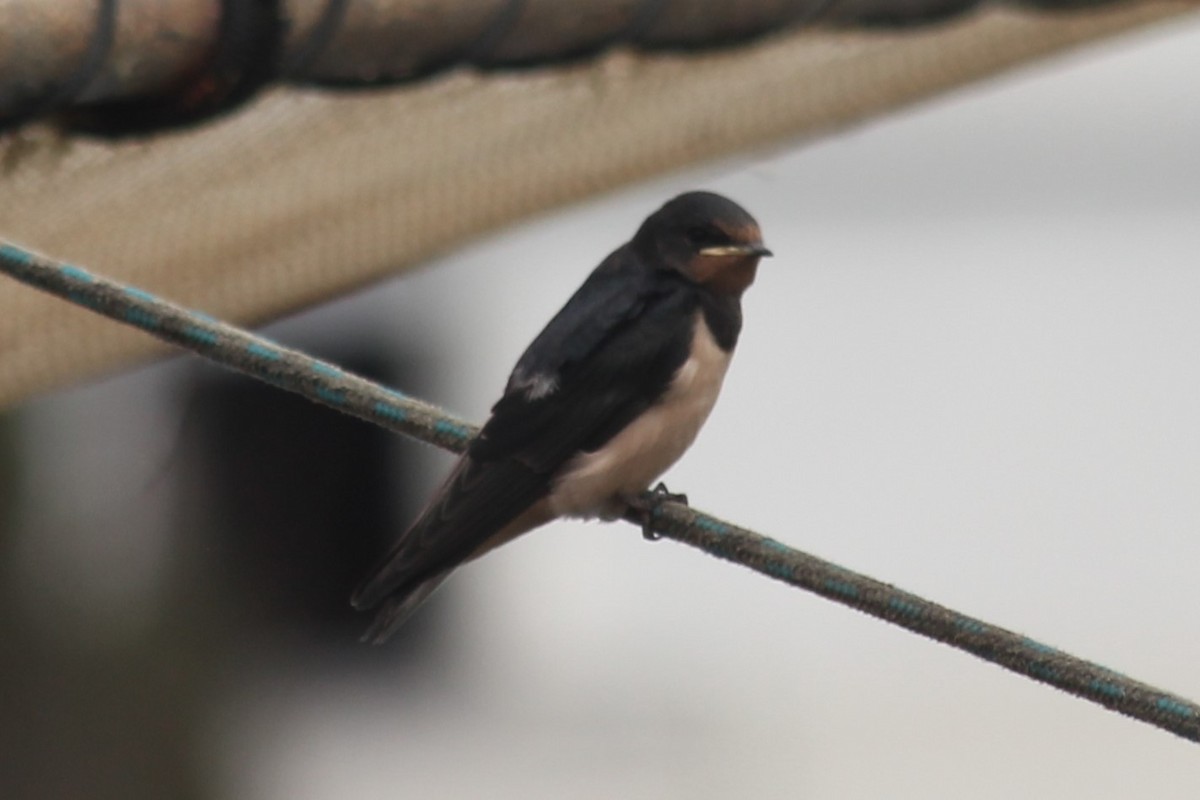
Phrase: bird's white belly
(593, 483)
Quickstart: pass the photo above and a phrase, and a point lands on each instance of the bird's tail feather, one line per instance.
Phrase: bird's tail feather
(397, 609)
(414, 552)
(477, 508)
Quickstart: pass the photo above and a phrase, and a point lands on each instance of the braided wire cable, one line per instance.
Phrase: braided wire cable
(325, 383)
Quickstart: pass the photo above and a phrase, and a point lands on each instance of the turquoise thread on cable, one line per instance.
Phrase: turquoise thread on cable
(1108, 689)
(970, 625)
(16, 254)
(844, 588)
(905, 607)
(335, 397)
(711, 525)
(451, 428)
(77, 273)
(85, 300)
(201, 335)
(390, 411)
(327, 370)
(1037, 646)
(1045, 672)
(138, 294)
(779, 570)
(1173, 706)
(330, 394)
(262, 351)
(141, 318)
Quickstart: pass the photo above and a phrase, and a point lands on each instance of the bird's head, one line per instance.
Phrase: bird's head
(708, 238)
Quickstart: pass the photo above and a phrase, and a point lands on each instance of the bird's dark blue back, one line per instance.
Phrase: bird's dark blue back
(610, 353)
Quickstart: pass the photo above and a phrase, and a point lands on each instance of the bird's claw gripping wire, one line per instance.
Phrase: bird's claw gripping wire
(645, 506)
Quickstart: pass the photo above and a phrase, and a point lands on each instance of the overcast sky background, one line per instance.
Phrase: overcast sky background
(971, 370)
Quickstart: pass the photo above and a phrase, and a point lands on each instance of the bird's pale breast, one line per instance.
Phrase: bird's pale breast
(592, 483)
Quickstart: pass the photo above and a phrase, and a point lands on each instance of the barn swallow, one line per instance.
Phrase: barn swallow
(607, 397)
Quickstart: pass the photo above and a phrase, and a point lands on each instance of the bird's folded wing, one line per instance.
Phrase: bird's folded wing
(511, 465)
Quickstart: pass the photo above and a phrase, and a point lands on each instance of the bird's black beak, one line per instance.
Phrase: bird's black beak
(751, 249)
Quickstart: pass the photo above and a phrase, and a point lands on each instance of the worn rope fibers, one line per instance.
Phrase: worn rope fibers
(325, 383)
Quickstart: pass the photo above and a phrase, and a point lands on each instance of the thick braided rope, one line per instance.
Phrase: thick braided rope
(325, 383)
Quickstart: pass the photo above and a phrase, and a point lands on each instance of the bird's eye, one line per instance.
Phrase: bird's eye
(699, 234)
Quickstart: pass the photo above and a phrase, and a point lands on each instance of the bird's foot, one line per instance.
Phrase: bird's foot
(647, 504)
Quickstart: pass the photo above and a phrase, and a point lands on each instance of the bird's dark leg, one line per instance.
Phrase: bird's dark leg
(646, 504)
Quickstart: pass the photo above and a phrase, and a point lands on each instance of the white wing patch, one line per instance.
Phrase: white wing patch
(540, 386)
(535, 386)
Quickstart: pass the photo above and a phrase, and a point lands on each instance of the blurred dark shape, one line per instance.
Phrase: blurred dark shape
(283, 506)
(1066, 5)
(297, 501)
(895, 13)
